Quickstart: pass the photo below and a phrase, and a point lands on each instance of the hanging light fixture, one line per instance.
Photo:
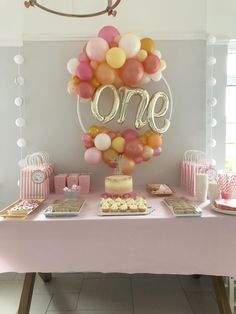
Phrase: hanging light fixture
(110, 9)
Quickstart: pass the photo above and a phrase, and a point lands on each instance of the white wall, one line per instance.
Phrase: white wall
(142, 17)
(221, 18)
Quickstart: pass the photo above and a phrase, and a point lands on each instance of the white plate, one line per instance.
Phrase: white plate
(48, 212)
(148, 211)
(197, 214)
(223, 211)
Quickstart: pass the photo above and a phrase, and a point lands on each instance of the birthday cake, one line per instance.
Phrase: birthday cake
(118, 185)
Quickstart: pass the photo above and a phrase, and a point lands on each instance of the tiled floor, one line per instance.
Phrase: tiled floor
(111, 294)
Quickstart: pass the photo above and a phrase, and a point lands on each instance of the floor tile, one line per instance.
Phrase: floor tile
(160, 295)
(70, 282)
(10, 292)
(39, 303)
(204, 283)
(90, 312)
(7, 276)
(202, 302)
(63, 302)
(105, 294)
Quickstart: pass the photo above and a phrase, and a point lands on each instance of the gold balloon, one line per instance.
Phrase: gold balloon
(93, 131)
(148, 44)
(110, 156)
(163, 109)
(144, 100)
(115, 106)
(141, 55)
(95, 82)
(75, 80)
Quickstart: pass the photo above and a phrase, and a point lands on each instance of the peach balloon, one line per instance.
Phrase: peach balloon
(103, 129)
(147, 152)
(154, 140)
(127, 166)
(105, 74)
(118, 82)
(141, 55)
(93, 65)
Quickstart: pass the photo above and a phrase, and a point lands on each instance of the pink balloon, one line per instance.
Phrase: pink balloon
(96, 49)
(85, 90)
(132, 72)
(86, 137)
(83, 57)
(84, 71)
(157, 151)
(93, 156)
(138, 160)
(108, 33)
(89, 144)
(133, 149)
(151, 64)
(130, 134)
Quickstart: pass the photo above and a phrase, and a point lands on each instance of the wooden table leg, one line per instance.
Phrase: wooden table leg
(221, 295)
(26, 295)
(46, 277)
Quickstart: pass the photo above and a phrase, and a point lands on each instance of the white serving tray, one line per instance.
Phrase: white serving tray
(49, 213)
(128, 213)
(197, 214)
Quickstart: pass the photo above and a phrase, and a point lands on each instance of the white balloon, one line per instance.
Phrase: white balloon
(18, 101)
(211, 40)
(131, 44)
(156, 76)
(19, 59)
(211, 61)
(20, 122)
(211, 81)
(102, 141)
(72, 65)
(212, 143)
(146, 79)
(212, 102)
(213, 122)
(157, 53)
(19, 80)
(21, 142)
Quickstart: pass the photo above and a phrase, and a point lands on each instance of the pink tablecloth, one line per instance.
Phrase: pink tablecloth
(157, 243)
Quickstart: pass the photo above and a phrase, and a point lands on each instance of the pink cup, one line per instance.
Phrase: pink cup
(84, 183)
(226, 196)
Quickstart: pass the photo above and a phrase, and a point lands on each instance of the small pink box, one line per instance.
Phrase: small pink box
(84, 183)
(60, 183)
(72, 179)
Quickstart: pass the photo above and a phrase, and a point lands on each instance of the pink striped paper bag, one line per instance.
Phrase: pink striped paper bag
(29, 188)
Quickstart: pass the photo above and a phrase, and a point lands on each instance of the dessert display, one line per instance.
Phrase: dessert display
(119, 206)
(73, 192)
(225, 206)
(67, 207)
(159, 189)
(181, 206)
(119, 185)
(21, 208)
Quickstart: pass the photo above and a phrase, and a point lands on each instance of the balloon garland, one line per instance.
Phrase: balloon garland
(123, 64)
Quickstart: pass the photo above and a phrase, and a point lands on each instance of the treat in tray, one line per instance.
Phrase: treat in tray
(67, 205)
(119, 185)
(181, 206)
(120, 205)
(159, 189)
(23, 207)
(225, 204)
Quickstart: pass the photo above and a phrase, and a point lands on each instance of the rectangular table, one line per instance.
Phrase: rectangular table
(158, 243)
